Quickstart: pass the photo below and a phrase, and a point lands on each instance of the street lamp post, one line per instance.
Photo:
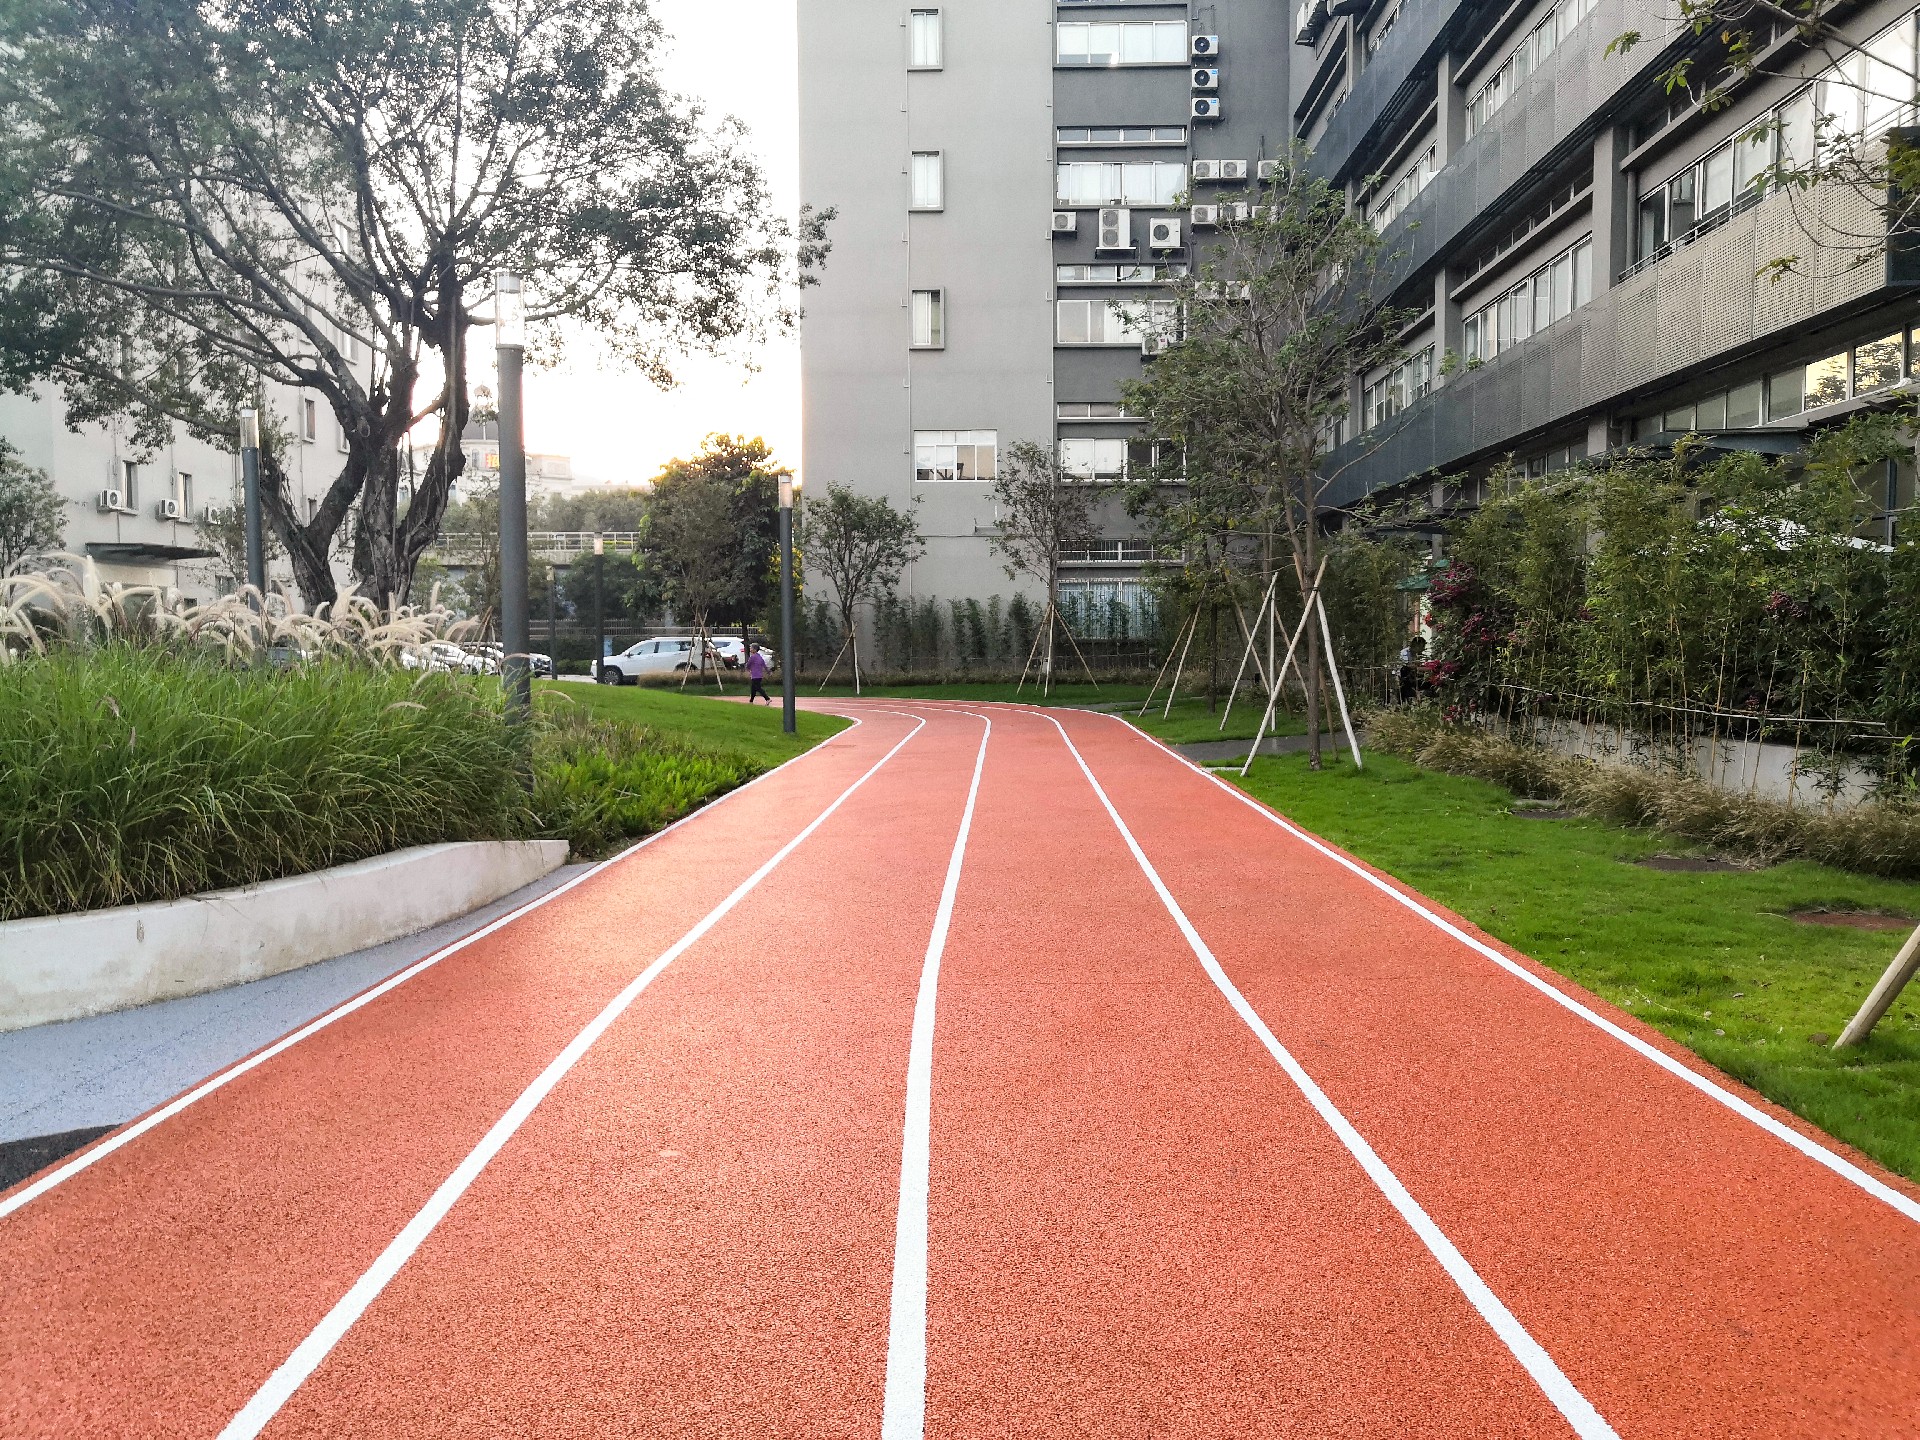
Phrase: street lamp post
(599, 605)
(510, 339)
(250, 499)
(553, 620)
(787, 486)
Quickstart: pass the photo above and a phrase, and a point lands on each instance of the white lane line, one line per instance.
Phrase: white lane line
(1812, 1149)
(306, 1357)
(366, 997)
(905, 1412)
(1566, 1397)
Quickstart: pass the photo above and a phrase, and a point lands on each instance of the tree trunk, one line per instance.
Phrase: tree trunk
(1213, 656)
(1313, 650)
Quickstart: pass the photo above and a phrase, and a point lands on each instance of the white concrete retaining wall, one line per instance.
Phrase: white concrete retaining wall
(1770, 771)
(60, 967)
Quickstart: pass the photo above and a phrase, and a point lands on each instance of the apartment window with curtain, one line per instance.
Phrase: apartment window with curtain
(929, 180)
(923, 40)
(929, 311)
(1124, 182)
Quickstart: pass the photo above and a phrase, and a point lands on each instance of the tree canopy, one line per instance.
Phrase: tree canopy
(859, 544)
(200, 202)
(32, 515)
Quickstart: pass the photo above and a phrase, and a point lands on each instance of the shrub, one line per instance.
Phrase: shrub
(132, 774)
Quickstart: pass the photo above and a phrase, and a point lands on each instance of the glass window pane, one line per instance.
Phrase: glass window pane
(1679, 421)
(1470, 338)
(1563, 287)
(1826, 381)
(1682, 203)
(1071, 326)
(1076, 457)
(1711, 413)
(1542, 303)
(1743, 406)
(1104, 135)
(1752, 154)
(1796, 129)
(1169, 181)
(1785, 394)
(1876, 365)
(1544, 37)
(1503, 321)
(924, 34)
(1582, 273)
(1103, 45)
(1170, 41)
(1073, 43)
(1653, 223)
(1136, 45)
(926, 180)
(1889, 89)
(1717, 186)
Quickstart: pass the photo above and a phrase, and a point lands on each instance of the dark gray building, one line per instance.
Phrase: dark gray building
(1585, 250)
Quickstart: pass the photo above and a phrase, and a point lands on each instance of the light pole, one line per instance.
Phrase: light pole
(788, 485)
(553, 620)
(250, 499)
(599, 606)
(510, 340)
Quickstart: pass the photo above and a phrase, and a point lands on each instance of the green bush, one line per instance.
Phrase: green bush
(132, 774)
(599, 783)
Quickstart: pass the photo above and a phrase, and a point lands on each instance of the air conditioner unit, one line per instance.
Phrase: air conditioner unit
(112, 500)
(1261, 212)
(1309, 20)
(1206, 77)
(1066, 222)
(1206, 47)
(1206, 170)
(168, 509)
(1235, 214)
(1152, 344)
(1204, 217)
(1116, 230)
(211, 513)
(1267, 170)
(1206, 107)
(1163, 234)
(1233, 170)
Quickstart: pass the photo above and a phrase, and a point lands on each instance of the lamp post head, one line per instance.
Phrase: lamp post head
(249, 428)
(787, 487)
(509, 311)
(599, 544)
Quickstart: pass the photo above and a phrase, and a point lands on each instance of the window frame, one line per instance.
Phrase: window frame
(938, 29)
(936, 305)
(933, 474)
(939, 172)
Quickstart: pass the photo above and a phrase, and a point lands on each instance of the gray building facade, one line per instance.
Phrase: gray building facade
(1584, 250)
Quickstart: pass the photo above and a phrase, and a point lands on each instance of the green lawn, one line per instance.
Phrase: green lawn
(1709, 959)
(1063, 694)
(1192, 721)
(695, 719)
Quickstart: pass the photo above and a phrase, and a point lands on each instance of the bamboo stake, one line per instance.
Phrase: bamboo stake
(1154, 688)
(1193, 628)
(1064, 630)
(1273, 698)
(1253, 646)
(1032, 650)
(1881, 999)
(1339, 692)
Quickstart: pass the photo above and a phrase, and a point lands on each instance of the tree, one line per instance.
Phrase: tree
(199, 200)
(1042, 511)
(1278, 317)
(32, 514)
(745, 469)
(1831, 137)
(860, 544)
(693, 546)
(598, 512)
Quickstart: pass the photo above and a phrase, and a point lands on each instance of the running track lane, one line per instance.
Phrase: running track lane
(1138, 1225)
(692, 1234)
(153, 1291)
(1692, 1274)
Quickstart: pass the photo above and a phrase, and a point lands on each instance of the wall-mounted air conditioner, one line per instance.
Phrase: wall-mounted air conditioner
(1267, 170)
(1261, 212)
(211, 513)
(1116, 230)
(168, 509)
(1163, 234)
(1235, 214)
(1066, 222)
(1206, 47)
(1152, 344)
(1204, 217)
(112, 500)
(1233, 171)
(1206, 107)
(1206, 170)
(1309, 19)
(1206, 77)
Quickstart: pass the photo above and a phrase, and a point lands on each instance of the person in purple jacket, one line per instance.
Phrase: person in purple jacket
(757, 673)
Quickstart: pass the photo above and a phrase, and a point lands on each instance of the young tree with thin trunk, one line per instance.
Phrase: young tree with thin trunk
(1043, 510)
(202, 201)
(859, 544)
(33, 516)
(693, 545)
(1279, 316)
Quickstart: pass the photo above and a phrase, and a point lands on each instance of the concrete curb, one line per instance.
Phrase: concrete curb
(62, 967)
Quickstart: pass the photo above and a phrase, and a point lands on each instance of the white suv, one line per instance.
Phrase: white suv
(649, 657)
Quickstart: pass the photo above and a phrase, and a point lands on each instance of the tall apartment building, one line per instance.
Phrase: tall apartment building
(1584, 246)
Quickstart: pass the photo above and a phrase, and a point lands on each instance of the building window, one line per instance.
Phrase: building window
(955, 455)
(130, 484)
(183, 493)
(1093, 459)
(1523, 60)
(923, 40)
(1393, 392)
(313, 507)
(1160, 42)
(309, 420)
(1111, 322)
(1134, 182)
(1090, 410)
(1120, 135)
(929, 180)
(1392, 202)
(1116, 274)
(1108, 609)
(1551, 293)
(929, 319)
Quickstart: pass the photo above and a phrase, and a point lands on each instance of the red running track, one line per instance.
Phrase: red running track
(1219, 1133)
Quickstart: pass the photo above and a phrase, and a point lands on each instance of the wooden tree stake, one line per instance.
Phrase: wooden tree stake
(1884, 994)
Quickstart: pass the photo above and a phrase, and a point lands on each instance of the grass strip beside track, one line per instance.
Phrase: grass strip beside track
(1709, 959)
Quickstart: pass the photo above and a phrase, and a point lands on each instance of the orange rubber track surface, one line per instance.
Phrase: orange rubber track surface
(1138, 1225)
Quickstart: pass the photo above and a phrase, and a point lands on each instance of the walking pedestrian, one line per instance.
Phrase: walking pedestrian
(757, 673)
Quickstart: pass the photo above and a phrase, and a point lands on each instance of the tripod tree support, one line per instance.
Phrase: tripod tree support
(1182, 642)
(1252, 651)
(1333, 669)
(1273, 698)
(1881, 999)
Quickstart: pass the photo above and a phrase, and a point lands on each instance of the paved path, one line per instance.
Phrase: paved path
(969, 1084)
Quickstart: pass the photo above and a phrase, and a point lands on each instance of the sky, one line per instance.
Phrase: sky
(739, 60)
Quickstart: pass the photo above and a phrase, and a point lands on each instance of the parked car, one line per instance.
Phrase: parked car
(733, 650)
(651, 657)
